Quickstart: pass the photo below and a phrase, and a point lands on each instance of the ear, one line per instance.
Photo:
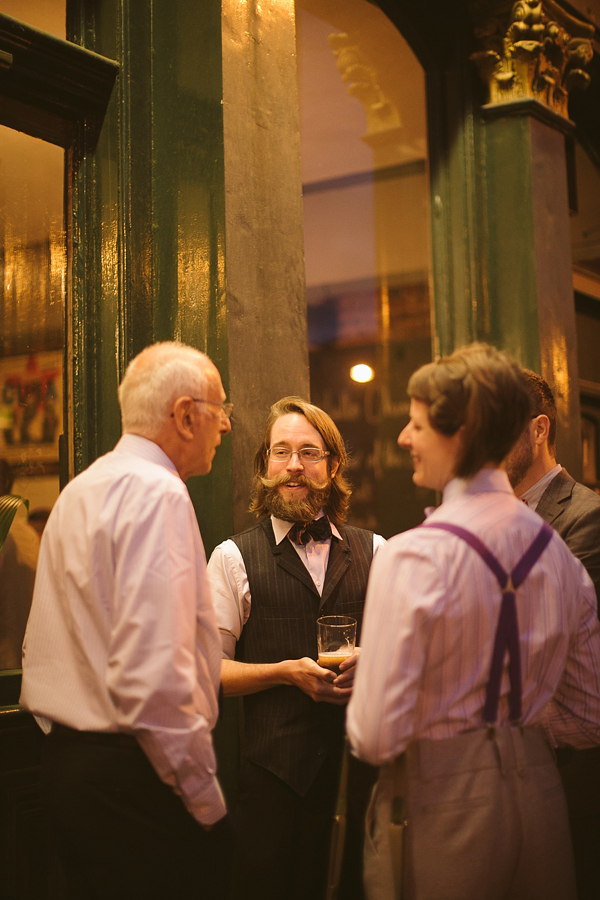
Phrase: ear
(541, 429)
(183, 417)
(335, 464)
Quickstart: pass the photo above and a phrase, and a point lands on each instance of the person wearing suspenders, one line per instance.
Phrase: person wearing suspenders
(478, 658)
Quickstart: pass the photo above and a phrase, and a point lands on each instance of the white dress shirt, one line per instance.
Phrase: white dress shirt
(229, 582)
(430, 619)
(533, 495)
(122, 634)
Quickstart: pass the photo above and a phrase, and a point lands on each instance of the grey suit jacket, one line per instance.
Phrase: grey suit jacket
(574, 511)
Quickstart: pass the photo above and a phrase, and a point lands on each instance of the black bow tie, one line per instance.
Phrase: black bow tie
(319, 530)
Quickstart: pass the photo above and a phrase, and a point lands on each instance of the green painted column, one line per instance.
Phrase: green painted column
(531, 57)
(148, 257)
(457, 206)
(529, 260)
(501, 249)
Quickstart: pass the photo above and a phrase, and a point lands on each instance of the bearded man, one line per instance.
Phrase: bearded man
(545, 486)
(269, 586)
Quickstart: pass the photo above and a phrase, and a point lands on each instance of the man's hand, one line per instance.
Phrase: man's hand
(320, 684)
(347, 671)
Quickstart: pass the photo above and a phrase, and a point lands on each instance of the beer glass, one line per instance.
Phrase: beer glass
(336, 639)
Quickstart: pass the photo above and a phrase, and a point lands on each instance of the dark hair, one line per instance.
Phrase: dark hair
(339, 498)
(481, 390)
(542, 404)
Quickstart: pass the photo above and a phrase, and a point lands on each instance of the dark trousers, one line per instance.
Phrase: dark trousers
(580, 774)
(121, 833)
(283, 840)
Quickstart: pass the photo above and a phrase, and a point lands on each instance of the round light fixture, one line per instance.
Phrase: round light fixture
(362, 373)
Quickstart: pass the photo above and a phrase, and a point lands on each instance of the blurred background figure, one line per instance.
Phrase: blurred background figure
(38, 518)
(18, 562)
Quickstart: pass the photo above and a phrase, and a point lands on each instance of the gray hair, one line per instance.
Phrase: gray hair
(154, 379)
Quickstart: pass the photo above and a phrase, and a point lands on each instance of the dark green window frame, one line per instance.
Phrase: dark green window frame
(56, 91)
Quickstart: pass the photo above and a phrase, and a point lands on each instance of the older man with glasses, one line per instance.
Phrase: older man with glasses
(269, 585)
(122, 661)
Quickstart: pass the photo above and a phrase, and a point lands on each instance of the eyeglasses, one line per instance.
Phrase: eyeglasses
(226, 408)
(305, 455)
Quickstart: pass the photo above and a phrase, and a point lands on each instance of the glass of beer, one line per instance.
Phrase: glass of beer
(336, 639)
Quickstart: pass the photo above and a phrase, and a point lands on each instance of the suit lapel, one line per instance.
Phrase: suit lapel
(556, 495)
(337, 566)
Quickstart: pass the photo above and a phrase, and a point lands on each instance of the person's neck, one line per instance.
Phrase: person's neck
(542, 464)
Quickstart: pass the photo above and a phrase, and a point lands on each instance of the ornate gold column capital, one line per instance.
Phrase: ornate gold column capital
(531, 50)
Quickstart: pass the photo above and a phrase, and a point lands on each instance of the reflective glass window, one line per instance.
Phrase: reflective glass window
(366, 200)
(32, 299)
(46, 15)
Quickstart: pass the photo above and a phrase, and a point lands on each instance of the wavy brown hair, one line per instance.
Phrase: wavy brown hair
(339, 497)
(481, 390)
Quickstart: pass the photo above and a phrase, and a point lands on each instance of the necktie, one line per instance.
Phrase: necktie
(302, 532)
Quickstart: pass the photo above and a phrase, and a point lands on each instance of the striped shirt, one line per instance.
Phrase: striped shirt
(430, 619)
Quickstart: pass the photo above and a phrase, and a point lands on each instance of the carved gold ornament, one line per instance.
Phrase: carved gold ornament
(532, 50)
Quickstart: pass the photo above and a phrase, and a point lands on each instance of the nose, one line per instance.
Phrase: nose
(225, 424)
(294, 463)
(403, 437)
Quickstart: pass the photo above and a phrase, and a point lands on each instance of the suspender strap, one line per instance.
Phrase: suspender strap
(507, 630)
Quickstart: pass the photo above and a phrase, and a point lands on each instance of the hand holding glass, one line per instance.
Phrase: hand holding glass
(336, 639)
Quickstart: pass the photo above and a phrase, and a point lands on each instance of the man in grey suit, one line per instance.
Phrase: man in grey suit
(573, 510)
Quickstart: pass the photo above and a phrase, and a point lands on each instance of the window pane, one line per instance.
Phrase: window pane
(32, 291)
(47, 15)
(585, 247)
(365, 185)
(585, 224)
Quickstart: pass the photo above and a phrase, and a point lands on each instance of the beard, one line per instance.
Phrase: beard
(303, 510)
(520, 459)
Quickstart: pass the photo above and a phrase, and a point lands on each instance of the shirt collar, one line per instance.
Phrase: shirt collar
(281, 528)
(140, 446)
(485, 480)
(533, 495)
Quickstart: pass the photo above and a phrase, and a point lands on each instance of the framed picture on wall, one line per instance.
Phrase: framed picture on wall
(31, 405)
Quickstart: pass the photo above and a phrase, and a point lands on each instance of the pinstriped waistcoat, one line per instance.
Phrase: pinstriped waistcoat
(285, 731)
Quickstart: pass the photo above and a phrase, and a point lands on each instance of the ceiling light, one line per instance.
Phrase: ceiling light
(362, 373)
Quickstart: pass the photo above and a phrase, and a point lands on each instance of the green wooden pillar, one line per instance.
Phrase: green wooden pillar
(529, 261)
(530, 58)
(499, 200)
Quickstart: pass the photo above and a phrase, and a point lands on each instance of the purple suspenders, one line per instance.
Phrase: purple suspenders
(507, 631)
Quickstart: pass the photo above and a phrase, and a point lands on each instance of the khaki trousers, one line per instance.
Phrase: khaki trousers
(484, 818)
